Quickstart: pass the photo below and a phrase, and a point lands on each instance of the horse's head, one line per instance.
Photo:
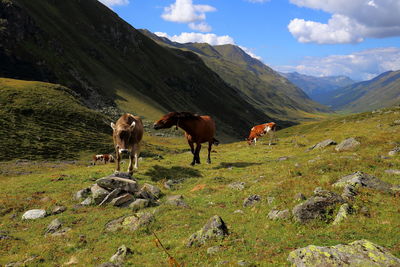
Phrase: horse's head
(167, 121)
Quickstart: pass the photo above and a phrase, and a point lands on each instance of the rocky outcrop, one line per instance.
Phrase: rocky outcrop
(130, 223)
(348, 144)
(357, 253)
(215, 228)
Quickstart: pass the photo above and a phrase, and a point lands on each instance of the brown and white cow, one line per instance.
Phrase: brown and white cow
(103, 157)
(127, 134)
(260, 130)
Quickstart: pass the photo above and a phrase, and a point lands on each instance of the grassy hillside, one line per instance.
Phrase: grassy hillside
(41, 120)
(265, 88)
(85, 46)
(254, 238)
(382, 91)
(318, 87)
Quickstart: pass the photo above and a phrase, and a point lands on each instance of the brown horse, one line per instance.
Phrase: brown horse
(198, 130)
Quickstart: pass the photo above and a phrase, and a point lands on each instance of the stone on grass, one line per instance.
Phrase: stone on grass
(342, 214)
(34, 214)
(393, 171)
(152, 189)
(213, 250)
(139, 204)
(365, 180)
(237, 185)
(125, 175)
(348, 144)
(394, 151)
(82, 194)
(121, 254)
(177, 201)
(365, 211)
(121, 200)
(323, 144)
(245, 263)
(54, 226)
(215, 228)
(109, 264)
(113, 194)
(172, 184)
(279, 214)
(87, 202)
(98, 193)
(112, 182)
(58, 210)
(251, 200)
(357, 253)
(349, 192)
(130, 223)
(299, 197)
(316, 207)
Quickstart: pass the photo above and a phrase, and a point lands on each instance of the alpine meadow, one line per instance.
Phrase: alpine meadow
(216, 133)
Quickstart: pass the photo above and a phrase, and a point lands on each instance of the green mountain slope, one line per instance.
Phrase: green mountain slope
(382, 91)
(41, 120)
(88, 48)
(318, 87)
(265, 88)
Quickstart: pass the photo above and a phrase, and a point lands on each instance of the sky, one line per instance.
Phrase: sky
(356, 38)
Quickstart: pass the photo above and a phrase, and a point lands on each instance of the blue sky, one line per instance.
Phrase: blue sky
(357, 38)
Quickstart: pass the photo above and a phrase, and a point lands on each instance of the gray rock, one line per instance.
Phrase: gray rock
(365, 211)
(238, 211)
(279, 214)
(344, 211)
(98, 193)
(61, 232)
(82, 194)
(396, 172)
(176, 200)
(152, 189)
(111, 183)
(58, 210)
(146, 195)
(348, 144)
(213, 250)
(54, 226)
(109, 264)
(110, 197)
(34, 214)
(357, 253)
(299, 197)
(121, 254)
(396, 122)
(87, 202)
(139, 204)
(172, 184)
(283, 158)
(245, 263)
(215, 228)
(124, 175)
(316, 207)
(130, 223)
(349, 192)
(251, 200)
(237, 185)
(394, 151)
(323, 144)
(365, 180)
(121, 200)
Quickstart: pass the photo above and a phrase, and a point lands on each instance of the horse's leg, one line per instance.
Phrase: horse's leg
(192, 150)
(255, 141)
(130, 168)
(197, 153)
(118, 159)
(271, 137)
(136, 151)
(209, 151)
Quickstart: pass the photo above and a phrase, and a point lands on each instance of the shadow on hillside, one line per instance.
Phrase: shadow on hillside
(158, 173)
(224, 165)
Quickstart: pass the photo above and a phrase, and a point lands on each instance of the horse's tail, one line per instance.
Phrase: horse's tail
(215, 142)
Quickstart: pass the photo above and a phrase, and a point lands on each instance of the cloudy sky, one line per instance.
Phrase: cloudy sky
(357, 38)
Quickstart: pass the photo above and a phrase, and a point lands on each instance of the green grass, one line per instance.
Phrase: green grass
(253, 237)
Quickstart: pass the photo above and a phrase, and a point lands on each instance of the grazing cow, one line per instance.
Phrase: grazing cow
(127, 134)
(259, 130)
(103, 157)
(198, 130)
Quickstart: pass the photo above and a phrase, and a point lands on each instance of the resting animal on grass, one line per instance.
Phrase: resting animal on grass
(260, 130)
(127, 134)
(198, 130)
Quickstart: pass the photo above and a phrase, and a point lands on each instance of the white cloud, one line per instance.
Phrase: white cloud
(201, 26)
(184, 11)
(351, 21)
(110, 3)
(362, 65)
(210, 38)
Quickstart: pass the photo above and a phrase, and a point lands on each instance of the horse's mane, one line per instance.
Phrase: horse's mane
(187, 115)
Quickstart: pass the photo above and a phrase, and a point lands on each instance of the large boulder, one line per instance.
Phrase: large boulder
(348, 144)
(130, 223)
(318, 206)
(358, 253)
(82, 194)
(112, 182)
(34, 214)
(365, 180)
(215, 228)
(323, 144)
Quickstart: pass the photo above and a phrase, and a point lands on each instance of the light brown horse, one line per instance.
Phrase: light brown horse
(198, 130)
(127, 134)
